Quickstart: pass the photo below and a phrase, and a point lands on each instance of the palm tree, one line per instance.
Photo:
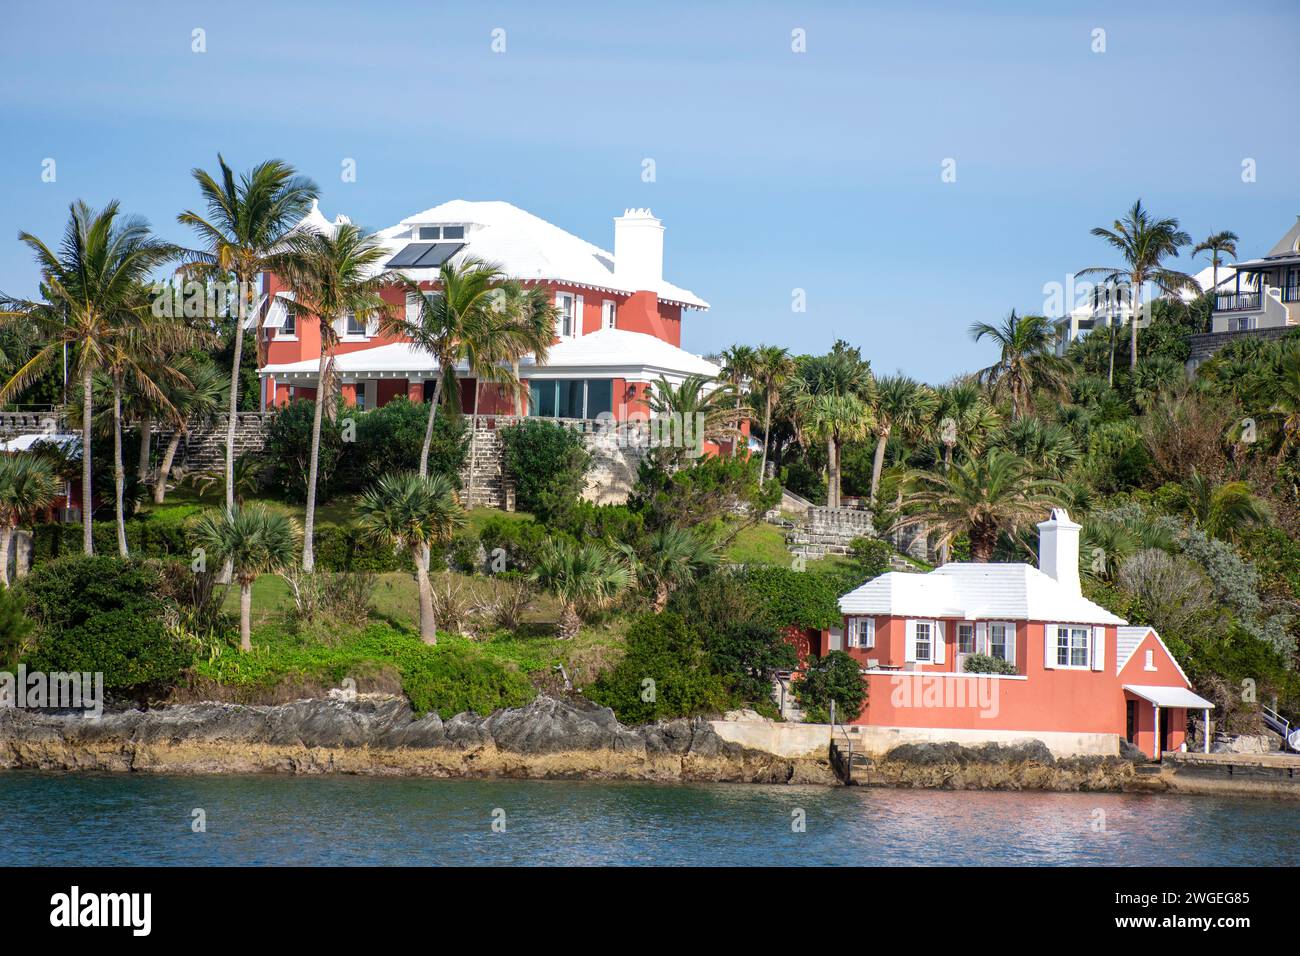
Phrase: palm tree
(831, 397)
(962, 418)
(413, 512)
(1143, 242)
(332, 275)
(773, 367)
(253, 540)
(1284, 414)
(27, 487)
(982, 497)
(703, 410)
(246, 224)
(93, 297)
(195, 402)
(585, 578)
(669, 558)
(1223, 511)
(457, 323)
(1048, 447)
(532, 312)
(1027, 362)
(739, 362)
(1216, 244)
(902, 404)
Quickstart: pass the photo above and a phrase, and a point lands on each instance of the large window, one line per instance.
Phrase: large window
(965, 638)
(924, 640)
(1001, 641)
(567, 323)
(571, 398)
(862, 632)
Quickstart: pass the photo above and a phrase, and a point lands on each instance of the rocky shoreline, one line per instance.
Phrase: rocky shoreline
(550, 738)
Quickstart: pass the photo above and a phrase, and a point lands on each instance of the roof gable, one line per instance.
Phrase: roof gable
(1130, 640)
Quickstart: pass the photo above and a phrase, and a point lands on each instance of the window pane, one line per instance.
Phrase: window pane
(429, 232)
(600, 397)
(965, 638)
(541, 399)
(569, 403)
(453, 232)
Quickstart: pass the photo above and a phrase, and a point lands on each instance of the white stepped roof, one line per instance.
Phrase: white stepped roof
(525, 246)
(606, 353)
(1127, 641)
(975, 591)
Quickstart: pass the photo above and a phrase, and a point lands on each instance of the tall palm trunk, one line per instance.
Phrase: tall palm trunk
(146, 448)
(87, 508)
(831, 497)
(519, 389)
(1133, 324)
(878, 465)
(247, 300)
(428, 428)
(309, 524)
(119, 470)
(165, 469)
(767, 430)
(428, 627)
(6, 535)
(245, 614)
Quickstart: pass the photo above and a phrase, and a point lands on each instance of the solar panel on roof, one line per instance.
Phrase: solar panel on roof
(436, 256)
(409, 254)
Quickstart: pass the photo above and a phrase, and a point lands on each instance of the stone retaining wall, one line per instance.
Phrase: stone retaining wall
(1205, 344)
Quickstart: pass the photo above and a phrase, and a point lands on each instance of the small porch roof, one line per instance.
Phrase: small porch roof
(1169, 696)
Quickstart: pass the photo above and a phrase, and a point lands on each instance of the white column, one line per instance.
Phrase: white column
(1207, 730)
(1155, 744)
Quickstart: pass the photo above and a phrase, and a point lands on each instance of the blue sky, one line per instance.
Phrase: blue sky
(775, 170)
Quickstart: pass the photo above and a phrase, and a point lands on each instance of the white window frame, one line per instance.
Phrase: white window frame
(1070, 647)
(571, 313)
(349, 318)
(929, 642)
(1010, 642)
(608, 314)
(413, 306)
(861, 633)
(288, 330)
(974, 637)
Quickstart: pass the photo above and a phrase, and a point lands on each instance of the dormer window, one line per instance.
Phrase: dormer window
(353, 325)
(437, 233)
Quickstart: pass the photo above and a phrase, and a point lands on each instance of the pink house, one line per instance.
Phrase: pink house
(619, 325)
(1078, 675)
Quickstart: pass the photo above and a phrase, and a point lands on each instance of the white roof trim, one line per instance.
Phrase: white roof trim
(1169, 696)
(1126, 635)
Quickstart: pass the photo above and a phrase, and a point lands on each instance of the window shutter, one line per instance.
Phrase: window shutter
(835, 639)
(867, 632)
(1099, 648)
(559, 315)
(909, 649)
(577, 316)
(1049, 646)
(372, 325)
(1011, 643)
(937, 642)
(981, 638)
(851, 632)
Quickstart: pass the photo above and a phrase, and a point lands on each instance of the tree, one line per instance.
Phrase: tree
(981, 497)
(254, 540)
(962, 419)
(585, 578)
(773, 367)
(901, 404)
(1143, 243)
(835, 678)
(333, 275)
(739, 363)
(668, 559)
(531, 310)
(701, 408)
(1223, 511)
(831, 396)
(93, 296)
(1027, 362)
(456, 323)
(197, 401)
(413, 512)
(1216, 244)
(246, 224)
(27, 487)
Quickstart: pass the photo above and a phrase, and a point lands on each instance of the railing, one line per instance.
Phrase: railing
(1237, 302)
(1291, 293)
(1280, 725)
(841, 755)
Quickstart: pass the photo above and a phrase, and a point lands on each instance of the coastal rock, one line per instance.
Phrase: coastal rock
(378, 734)
(1023, 765)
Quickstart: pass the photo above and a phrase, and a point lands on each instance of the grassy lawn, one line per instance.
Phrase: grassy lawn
(761, 543)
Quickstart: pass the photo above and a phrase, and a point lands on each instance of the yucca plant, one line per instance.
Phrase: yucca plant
(585, 579)
(254, 540)
(27, 486)
(414, 513)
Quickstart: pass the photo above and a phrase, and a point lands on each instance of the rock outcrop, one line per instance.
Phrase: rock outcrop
(1028, 765)
(379, 735)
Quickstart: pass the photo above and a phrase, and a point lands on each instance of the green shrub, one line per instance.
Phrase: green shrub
(836, 677)
(389, 439)
(792, 598)
(451, 680)
(664, 674)
(15, 628)
(347, 549)
(871, 555)
(519, 541)
(548, 462)
(987, 664)
(103, 614)
(288, 448)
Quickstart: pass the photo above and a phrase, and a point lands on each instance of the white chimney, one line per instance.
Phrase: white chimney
(638, 250)
(1058, 549)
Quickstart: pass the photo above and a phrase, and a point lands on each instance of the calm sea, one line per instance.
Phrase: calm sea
(111, 819)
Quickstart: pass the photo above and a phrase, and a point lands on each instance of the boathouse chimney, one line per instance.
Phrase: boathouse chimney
(1058, 549)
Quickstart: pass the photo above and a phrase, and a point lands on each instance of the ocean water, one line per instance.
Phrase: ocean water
(119, 819)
